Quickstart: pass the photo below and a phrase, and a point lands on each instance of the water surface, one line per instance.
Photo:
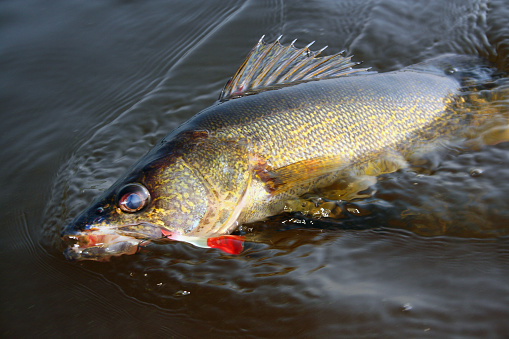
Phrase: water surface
(88, 87)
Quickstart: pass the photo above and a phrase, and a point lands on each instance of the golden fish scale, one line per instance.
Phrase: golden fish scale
(354, 118)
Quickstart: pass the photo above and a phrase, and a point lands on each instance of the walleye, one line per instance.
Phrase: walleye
(288, 122)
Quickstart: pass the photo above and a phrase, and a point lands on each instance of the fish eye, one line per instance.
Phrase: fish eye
(133, 198)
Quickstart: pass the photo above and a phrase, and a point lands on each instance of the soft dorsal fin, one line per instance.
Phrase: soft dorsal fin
(274, 64)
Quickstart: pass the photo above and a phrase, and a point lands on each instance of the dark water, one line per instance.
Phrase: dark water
(88, 86)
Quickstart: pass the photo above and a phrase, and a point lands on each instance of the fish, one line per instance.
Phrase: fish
(288, 122)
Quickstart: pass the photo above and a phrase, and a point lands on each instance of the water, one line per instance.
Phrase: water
(88, 87)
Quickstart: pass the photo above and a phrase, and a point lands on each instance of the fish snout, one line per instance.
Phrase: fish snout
(90, 245)
(100, 244)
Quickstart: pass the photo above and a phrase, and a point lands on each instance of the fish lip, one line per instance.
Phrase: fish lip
(103, 252)
(101, 244)
(150, 230)
(100, 253)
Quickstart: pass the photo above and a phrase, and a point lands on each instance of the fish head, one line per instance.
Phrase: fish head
(160, 199)
(188, 192)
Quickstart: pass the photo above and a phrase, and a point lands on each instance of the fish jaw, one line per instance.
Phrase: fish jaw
(100, 247)
(100, 244)
(110, 242)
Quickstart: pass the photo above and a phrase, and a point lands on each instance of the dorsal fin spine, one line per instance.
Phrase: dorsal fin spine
(293, 71)
(299, 64)
(278, 71)
(233, 83)
(310, 67)
(260, 59)
(325, 65)
(269, 65)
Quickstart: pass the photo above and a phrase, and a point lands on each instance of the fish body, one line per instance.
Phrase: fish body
(281, 128)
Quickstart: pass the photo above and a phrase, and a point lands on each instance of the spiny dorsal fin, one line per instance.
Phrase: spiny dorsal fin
(274, 64)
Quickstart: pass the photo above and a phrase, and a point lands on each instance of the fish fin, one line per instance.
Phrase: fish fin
(389, 162)
(271, 64)
(298, 174)
(496, 135)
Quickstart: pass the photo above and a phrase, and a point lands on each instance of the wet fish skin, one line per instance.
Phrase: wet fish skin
(240, 160)
(345, 122)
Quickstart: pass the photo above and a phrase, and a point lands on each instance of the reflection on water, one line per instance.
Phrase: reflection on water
(88, 88)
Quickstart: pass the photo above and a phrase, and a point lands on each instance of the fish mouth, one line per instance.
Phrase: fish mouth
(100, 244)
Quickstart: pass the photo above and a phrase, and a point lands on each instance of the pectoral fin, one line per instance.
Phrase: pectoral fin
(300, 174)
